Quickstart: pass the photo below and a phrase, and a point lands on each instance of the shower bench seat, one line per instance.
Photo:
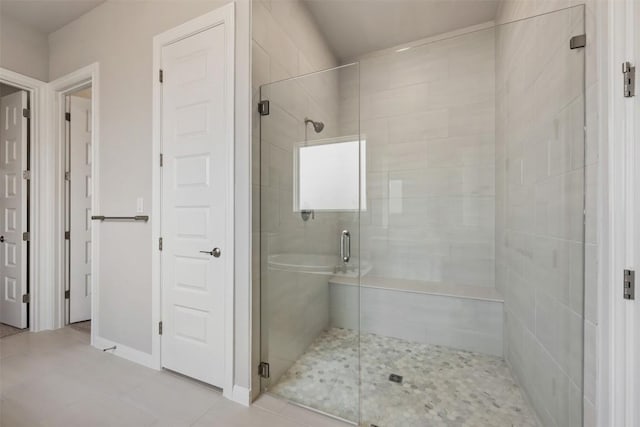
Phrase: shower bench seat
(462, 317)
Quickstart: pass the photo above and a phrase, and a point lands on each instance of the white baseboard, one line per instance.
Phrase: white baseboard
(238, 394)
(241, 395)
(125, 352)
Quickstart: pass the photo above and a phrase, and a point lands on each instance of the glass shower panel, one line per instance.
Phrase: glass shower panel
(310, 168)
(471, 294)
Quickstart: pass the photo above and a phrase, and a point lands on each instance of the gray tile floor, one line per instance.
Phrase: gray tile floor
(55, 378)
(82, 326)
(6, 330)
(440, 386)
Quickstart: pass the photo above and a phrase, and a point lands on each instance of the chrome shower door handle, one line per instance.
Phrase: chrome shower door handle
(345, 246)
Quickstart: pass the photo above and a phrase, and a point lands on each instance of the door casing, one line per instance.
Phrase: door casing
(17, 315)
(58, 91)
(38, 279)
(76, 308)
(223, 15)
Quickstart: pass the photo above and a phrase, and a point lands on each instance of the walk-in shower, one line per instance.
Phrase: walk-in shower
(455, 166)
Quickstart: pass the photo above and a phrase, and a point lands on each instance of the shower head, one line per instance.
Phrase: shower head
(317, 126)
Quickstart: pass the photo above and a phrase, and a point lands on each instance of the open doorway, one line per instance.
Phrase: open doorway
(14, 209)
(78, 194)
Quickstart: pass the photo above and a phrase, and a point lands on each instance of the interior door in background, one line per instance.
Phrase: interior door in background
(13, 205)
(79, 150)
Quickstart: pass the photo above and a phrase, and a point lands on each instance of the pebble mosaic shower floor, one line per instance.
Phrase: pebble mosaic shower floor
(440, 386)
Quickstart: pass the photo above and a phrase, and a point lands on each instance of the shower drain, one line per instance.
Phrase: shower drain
(395, 378)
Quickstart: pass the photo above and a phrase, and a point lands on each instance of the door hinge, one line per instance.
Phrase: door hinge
(629, 75)
(67, 116)
(67, 176)
(67, 294)
(26, 236)
(577, 42)
(161, 160)
(67, 235)
(26, 174)
(161, 76)
(629, 287)
(26, 113)
(160, 327)
(263, 108)
(263, 370)
(26, 298)
(160, 243)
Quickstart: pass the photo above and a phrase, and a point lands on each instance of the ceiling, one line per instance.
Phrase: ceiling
(47, 16)
(355, 27)
(351, 27)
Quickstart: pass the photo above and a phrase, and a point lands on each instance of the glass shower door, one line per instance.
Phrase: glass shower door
(472, 313)
(310, 178)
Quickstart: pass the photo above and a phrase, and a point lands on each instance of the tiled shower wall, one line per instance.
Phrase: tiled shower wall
(295, 304)
(540, 184)
(286, 43)
(428, 118)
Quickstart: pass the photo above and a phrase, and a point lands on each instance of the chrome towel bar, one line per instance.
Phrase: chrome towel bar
(144, 218)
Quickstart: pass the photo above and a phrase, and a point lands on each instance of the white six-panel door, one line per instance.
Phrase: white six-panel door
(80, 209)
(195, 194)
(13, 205)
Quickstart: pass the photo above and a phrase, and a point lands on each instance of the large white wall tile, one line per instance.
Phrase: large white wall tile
(419, 317)
(429, 126)
(540, 200)
(286, 43)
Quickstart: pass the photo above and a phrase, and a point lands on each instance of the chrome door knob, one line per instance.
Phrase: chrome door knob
(216, 252)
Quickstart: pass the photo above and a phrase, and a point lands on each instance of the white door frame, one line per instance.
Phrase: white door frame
(38, 279)
(223, 15)
(59, 89)
(634, 308)
(618, 378)
(72, 147)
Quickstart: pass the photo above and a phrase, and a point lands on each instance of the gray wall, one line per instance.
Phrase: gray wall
(7, 90)
(23, 49)
(119, 36)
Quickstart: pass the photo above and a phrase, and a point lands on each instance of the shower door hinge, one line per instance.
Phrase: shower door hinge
(577, 42)
(67, 116)
(26, 113)
(67, 176)
(629, 75)
(67, 235)
(67, 294)
(160, 243)
(26, 298)
(161, 76)
(629, 287)
(26, 236)
(160, 327)
(263, 108)
(263, 370)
